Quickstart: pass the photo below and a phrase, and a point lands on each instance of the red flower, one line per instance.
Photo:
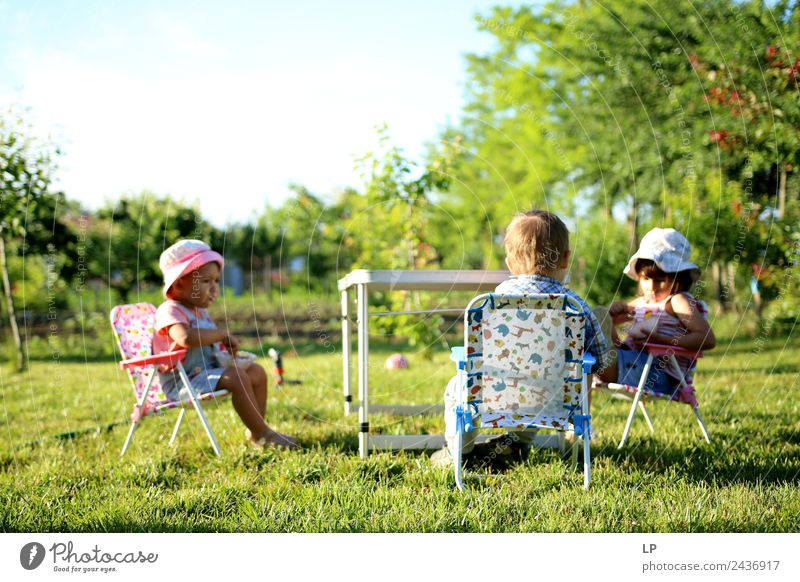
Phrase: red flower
(794, 71)
(718, 135)
(723, 138)
(772, 56)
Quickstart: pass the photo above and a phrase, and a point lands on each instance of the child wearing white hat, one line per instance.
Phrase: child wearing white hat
(191, 283)
(665, 312)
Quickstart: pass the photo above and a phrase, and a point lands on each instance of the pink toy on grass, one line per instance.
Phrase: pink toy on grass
(396, 362)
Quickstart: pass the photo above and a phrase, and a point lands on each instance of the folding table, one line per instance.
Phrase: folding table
(361, 282)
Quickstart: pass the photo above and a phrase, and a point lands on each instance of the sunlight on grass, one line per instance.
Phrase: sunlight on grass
(63, 424)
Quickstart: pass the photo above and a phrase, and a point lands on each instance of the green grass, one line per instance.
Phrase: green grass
(745, 481)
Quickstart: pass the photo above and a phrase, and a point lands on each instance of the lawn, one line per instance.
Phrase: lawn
(745, 481)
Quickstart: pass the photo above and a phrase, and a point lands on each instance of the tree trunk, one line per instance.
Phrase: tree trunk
(717, 280)
(731, 281)
(12, 316)
(632, 225)
(782, 195)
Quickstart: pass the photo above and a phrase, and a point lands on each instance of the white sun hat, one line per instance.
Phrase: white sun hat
(668, 249)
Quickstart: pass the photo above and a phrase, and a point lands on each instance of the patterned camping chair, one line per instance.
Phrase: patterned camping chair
(524, 366)
(640, 394)
(134, 326)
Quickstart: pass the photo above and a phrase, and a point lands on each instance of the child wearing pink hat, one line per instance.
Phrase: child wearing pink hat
(191, 283)
(665, 312)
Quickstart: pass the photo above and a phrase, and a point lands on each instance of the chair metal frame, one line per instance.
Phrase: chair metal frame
(188, 397)
(640, 394)
(465, 411)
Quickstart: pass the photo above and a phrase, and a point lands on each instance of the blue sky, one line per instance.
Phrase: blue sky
(230, 102)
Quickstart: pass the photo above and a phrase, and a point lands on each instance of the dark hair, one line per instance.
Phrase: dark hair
(683, 279)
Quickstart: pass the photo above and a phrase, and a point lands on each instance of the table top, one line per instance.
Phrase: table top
(434, 280)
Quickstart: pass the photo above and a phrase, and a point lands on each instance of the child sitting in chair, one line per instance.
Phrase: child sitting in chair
(537, 254)
(191, 283)
(665, 313)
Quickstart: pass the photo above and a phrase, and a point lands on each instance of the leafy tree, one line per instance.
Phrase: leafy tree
(129, 235)
(655, 111)
(309, 234)
(395, 210)
(29, 223)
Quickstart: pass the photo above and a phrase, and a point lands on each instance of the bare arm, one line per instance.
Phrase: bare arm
(698, 336)
(620, 312)
(193, 337)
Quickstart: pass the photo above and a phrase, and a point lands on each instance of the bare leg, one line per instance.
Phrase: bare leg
(258, 379)
(244, 400)
(268, 436)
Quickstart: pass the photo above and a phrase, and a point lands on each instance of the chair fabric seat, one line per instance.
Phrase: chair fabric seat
(515, 420)
(186, 402)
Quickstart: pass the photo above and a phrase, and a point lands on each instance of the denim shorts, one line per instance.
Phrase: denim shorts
(630, 365)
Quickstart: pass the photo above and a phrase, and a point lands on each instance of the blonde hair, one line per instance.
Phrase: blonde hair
(535, 241)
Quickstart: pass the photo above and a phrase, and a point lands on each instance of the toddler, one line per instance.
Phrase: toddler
(191, 283)
(665, 312)
(537, 254)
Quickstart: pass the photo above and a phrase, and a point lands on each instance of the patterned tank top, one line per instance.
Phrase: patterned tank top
(667, 325)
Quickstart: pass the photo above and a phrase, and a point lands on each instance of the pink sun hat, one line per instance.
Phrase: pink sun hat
(184, 257)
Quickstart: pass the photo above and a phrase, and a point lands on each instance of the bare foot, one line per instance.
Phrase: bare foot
(271, 438)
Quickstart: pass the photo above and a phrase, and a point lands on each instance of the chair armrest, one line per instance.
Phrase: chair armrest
(168, 358)
(666, 350)
(588, 361)
(457, 356)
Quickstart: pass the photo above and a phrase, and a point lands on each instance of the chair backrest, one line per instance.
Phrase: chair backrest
(523, 360)
(134, 326)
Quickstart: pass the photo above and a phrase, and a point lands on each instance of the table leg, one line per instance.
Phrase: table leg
(363, 371)
(347, 343)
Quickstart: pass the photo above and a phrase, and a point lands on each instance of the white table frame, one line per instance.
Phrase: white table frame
(361, 282)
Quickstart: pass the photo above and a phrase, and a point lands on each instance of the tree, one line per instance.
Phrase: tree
(652, 110)
(28, 206)
(395, 210)
(130, 234)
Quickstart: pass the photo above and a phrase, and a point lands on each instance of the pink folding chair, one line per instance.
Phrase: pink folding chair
(639, 394)
(134, 327)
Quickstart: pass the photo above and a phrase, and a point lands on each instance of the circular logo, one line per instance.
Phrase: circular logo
(31, 555)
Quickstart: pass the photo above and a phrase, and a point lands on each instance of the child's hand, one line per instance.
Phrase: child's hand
(620, 312)
(232, 343)
(644, 331)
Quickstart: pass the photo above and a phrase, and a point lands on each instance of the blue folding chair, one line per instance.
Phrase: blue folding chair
(523, 365)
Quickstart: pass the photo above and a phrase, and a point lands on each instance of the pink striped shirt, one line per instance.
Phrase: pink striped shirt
(667, 325)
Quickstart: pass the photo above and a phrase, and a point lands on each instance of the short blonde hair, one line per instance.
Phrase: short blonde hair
(535, 241)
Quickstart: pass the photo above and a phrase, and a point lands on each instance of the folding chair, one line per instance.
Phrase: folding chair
(134, 326)
(524, 366)
(685, 392)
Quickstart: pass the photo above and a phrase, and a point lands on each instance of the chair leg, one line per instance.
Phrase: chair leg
(140, 404)
(177, 426)
(128, 440)
(575, 452)
(586, 433)
(587, 459)
(703, 428)
(457, 459)
(636, 399)
(647, 418)
(201, 415)
(628, 424)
